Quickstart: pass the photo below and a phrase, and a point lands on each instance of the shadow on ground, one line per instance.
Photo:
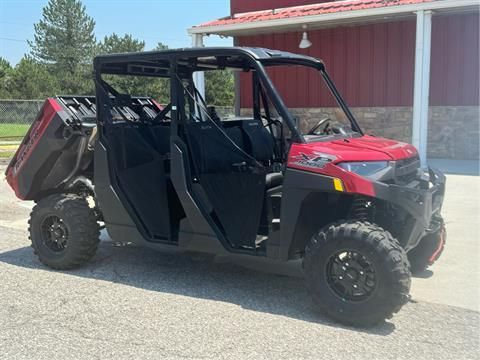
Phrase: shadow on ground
(425, 274)
(199, 276)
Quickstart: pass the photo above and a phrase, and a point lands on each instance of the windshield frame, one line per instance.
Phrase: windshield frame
(311, 63)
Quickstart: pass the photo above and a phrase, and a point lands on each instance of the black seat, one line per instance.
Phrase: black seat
(215, 153)
(259, 140)
(236, 135)
(261, 146)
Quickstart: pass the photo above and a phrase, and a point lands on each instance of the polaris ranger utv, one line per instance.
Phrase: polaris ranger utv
(357, 209)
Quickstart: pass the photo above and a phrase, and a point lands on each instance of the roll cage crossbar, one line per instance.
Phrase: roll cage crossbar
(181, 64)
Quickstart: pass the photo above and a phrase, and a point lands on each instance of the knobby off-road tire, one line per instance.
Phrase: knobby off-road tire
(428, 250)
(369, 260)
(64, 231)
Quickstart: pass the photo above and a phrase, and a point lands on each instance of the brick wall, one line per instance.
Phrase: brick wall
(454, 132)
(392, 122)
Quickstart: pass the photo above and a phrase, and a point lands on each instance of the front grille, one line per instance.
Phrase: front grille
(406, 170)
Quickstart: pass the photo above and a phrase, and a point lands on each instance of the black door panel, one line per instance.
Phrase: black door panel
(140, 172)
(232, 181)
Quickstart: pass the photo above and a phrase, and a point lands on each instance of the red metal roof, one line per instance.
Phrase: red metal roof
(309, 10)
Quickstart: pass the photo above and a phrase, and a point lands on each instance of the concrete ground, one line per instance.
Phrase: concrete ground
(134, 303)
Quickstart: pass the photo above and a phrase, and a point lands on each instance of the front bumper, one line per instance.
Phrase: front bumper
(422, 198)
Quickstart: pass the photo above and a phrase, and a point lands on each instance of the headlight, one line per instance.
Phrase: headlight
(365, 168)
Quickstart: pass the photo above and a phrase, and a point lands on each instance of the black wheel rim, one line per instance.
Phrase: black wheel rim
(54, 233)
(351, 276)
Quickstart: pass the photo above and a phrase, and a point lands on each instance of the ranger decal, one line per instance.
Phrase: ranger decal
(314, 160)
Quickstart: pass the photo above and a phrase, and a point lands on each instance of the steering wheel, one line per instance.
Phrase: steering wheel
(314, 129)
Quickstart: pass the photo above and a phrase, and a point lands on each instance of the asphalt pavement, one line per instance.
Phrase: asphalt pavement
(132, 303)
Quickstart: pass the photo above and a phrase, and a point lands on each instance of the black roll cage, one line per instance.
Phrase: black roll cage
(182, 63)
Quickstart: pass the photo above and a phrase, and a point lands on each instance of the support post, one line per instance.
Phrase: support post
(237, 85)
(422, 84)
(199, 76)
(237, 100)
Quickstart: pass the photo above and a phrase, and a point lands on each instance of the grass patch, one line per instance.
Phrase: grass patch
(8, 147)
(13, 131)
(7, 150)
(6, 154)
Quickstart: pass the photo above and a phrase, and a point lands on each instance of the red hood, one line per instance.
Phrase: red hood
(366, 148)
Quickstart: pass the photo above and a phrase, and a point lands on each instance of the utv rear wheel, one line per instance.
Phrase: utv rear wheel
(64, 231)
(357, 273)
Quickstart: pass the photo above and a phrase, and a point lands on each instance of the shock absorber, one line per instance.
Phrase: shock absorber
(361, 209)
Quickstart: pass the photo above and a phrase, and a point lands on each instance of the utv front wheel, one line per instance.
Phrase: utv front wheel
(357, 273)
(64, 231)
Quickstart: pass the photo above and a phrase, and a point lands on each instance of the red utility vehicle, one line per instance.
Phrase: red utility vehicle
(357, 209)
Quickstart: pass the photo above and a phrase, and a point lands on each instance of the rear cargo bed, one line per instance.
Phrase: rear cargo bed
(57, 146)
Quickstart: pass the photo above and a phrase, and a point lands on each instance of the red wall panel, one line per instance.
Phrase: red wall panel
(241, 6)
(373, 65)
(455, 60)
(359, 59)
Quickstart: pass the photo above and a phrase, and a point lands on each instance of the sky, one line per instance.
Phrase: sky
(149, 20)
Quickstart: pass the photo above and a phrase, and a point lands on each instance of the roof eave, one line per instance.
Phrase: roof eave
(330, 19)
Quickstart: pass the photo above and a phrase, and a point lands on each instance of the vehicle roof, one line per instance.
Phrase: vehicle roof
(155, 63)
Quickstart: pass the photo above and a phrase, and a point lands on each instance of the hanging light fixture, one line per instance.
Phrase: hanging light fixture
(304, 43)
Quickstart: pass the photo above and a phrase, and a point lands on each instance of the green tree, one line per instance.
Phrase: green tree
(159, 89)
(116, 44)
(64, 41)
(122, 44)
(219, 88)
(160, 46)
(5, 78)
(31, 80)
(5, 67)
(156, 88)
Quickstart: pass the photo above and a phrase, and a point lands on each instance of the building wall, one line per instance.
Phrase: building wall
(373, 67)
(455, 64)
(454, 132)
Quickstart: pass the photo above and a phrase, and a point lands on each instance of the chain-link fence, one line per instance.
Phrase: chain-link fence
(16, 116)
